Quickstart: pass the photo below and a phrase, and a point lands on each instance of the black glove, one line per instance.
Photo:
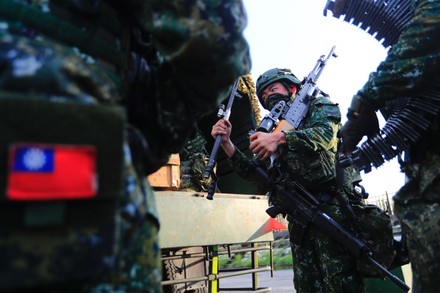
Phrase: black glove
(359, 124)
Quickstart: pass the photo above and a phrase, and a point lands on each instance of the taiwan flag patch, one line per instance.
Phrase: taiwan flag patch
(51, 172)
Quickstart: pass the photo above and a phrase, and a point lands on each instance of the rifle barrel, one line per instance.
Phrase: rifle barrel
(212, 158)
(393, 278)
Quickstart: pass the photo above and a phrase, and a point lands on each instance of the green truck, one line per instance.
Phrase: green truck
(196, 232)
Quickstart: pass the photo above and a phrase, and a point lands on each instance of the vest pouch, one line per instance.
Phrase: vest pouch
(313, 168)
(376, 229)
(58, 229)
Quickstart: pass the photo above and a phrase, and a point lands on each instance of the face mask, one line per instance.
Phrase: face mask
(273, 99)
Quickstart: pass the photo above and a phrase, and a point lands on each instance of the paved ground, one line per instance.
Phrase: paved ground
(282, 282)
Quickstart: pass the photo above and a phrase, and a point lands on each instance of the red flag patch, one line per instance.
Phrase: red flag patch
(50, 172)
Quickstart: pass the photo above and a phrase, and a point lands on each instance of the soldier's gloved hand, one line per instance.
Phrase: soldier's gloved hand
(361, 122)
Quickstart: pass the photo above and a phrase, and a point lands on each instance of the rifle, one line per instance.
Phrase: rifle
(222, 114)
(298, 201)
(290, 116)
(292, 197)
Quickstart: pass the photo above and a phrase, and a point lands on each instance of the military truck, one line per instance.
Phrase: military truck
(195, 232)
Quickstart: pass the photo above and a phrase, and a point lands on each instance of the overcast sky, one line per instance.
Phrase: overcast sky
(294, 34)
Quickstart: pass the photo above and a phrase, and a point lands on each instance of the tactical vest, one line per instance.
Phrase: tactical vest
(315, 169)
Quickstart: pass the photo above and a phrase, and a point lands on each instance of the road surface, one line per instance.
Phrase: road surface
(282, 282)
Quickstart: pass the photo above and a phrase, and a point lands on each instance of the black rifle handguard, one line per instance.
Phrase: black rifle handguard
(213, 157)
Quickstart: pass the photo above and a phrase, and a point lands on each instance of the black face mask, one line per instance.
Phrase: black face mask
(273, 99)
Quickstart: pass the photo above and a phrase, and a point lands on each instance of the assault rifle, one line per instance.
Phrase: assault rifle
(223, 113)
(294, 199)
(284, 116)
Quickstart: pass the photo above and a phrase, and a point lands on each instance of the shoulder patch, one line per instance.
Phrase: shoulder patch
(331, 110)
(328, 107)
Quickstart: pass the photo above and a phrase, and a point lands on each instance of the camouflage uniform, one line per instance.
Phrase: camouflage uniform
(168, 64)
(411, 65)
(193, 160)
(320, 264)
(371, 224)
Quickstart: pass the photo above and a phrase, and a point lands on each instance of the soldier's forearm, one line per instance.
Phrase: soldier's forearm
(228, 147)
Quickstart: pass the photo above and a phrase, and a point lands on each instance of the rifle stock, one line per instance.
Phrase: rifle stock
(283, 126)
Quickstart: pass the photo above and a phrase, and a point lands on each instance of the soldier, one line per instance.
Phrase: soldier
(412, 65)
(307, 154)
(370, 224)
(193, 160)
(115, 88)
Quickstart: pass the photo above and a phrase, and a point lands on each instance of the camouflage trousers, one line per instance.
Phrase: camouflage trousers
(420, 220)
(322, 265)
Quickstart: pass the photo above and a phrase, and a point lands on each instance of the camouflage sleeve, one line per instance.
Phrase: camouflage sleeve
(320, 128)
(199, 39)
(241, 164)
(412, 63)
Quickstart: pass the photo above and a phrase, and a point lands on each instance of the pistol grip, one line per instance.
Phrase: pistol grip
(274, 211)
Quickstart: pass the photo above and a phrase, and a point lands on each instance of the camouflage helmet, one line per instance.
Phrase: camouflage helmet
(283, 75)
